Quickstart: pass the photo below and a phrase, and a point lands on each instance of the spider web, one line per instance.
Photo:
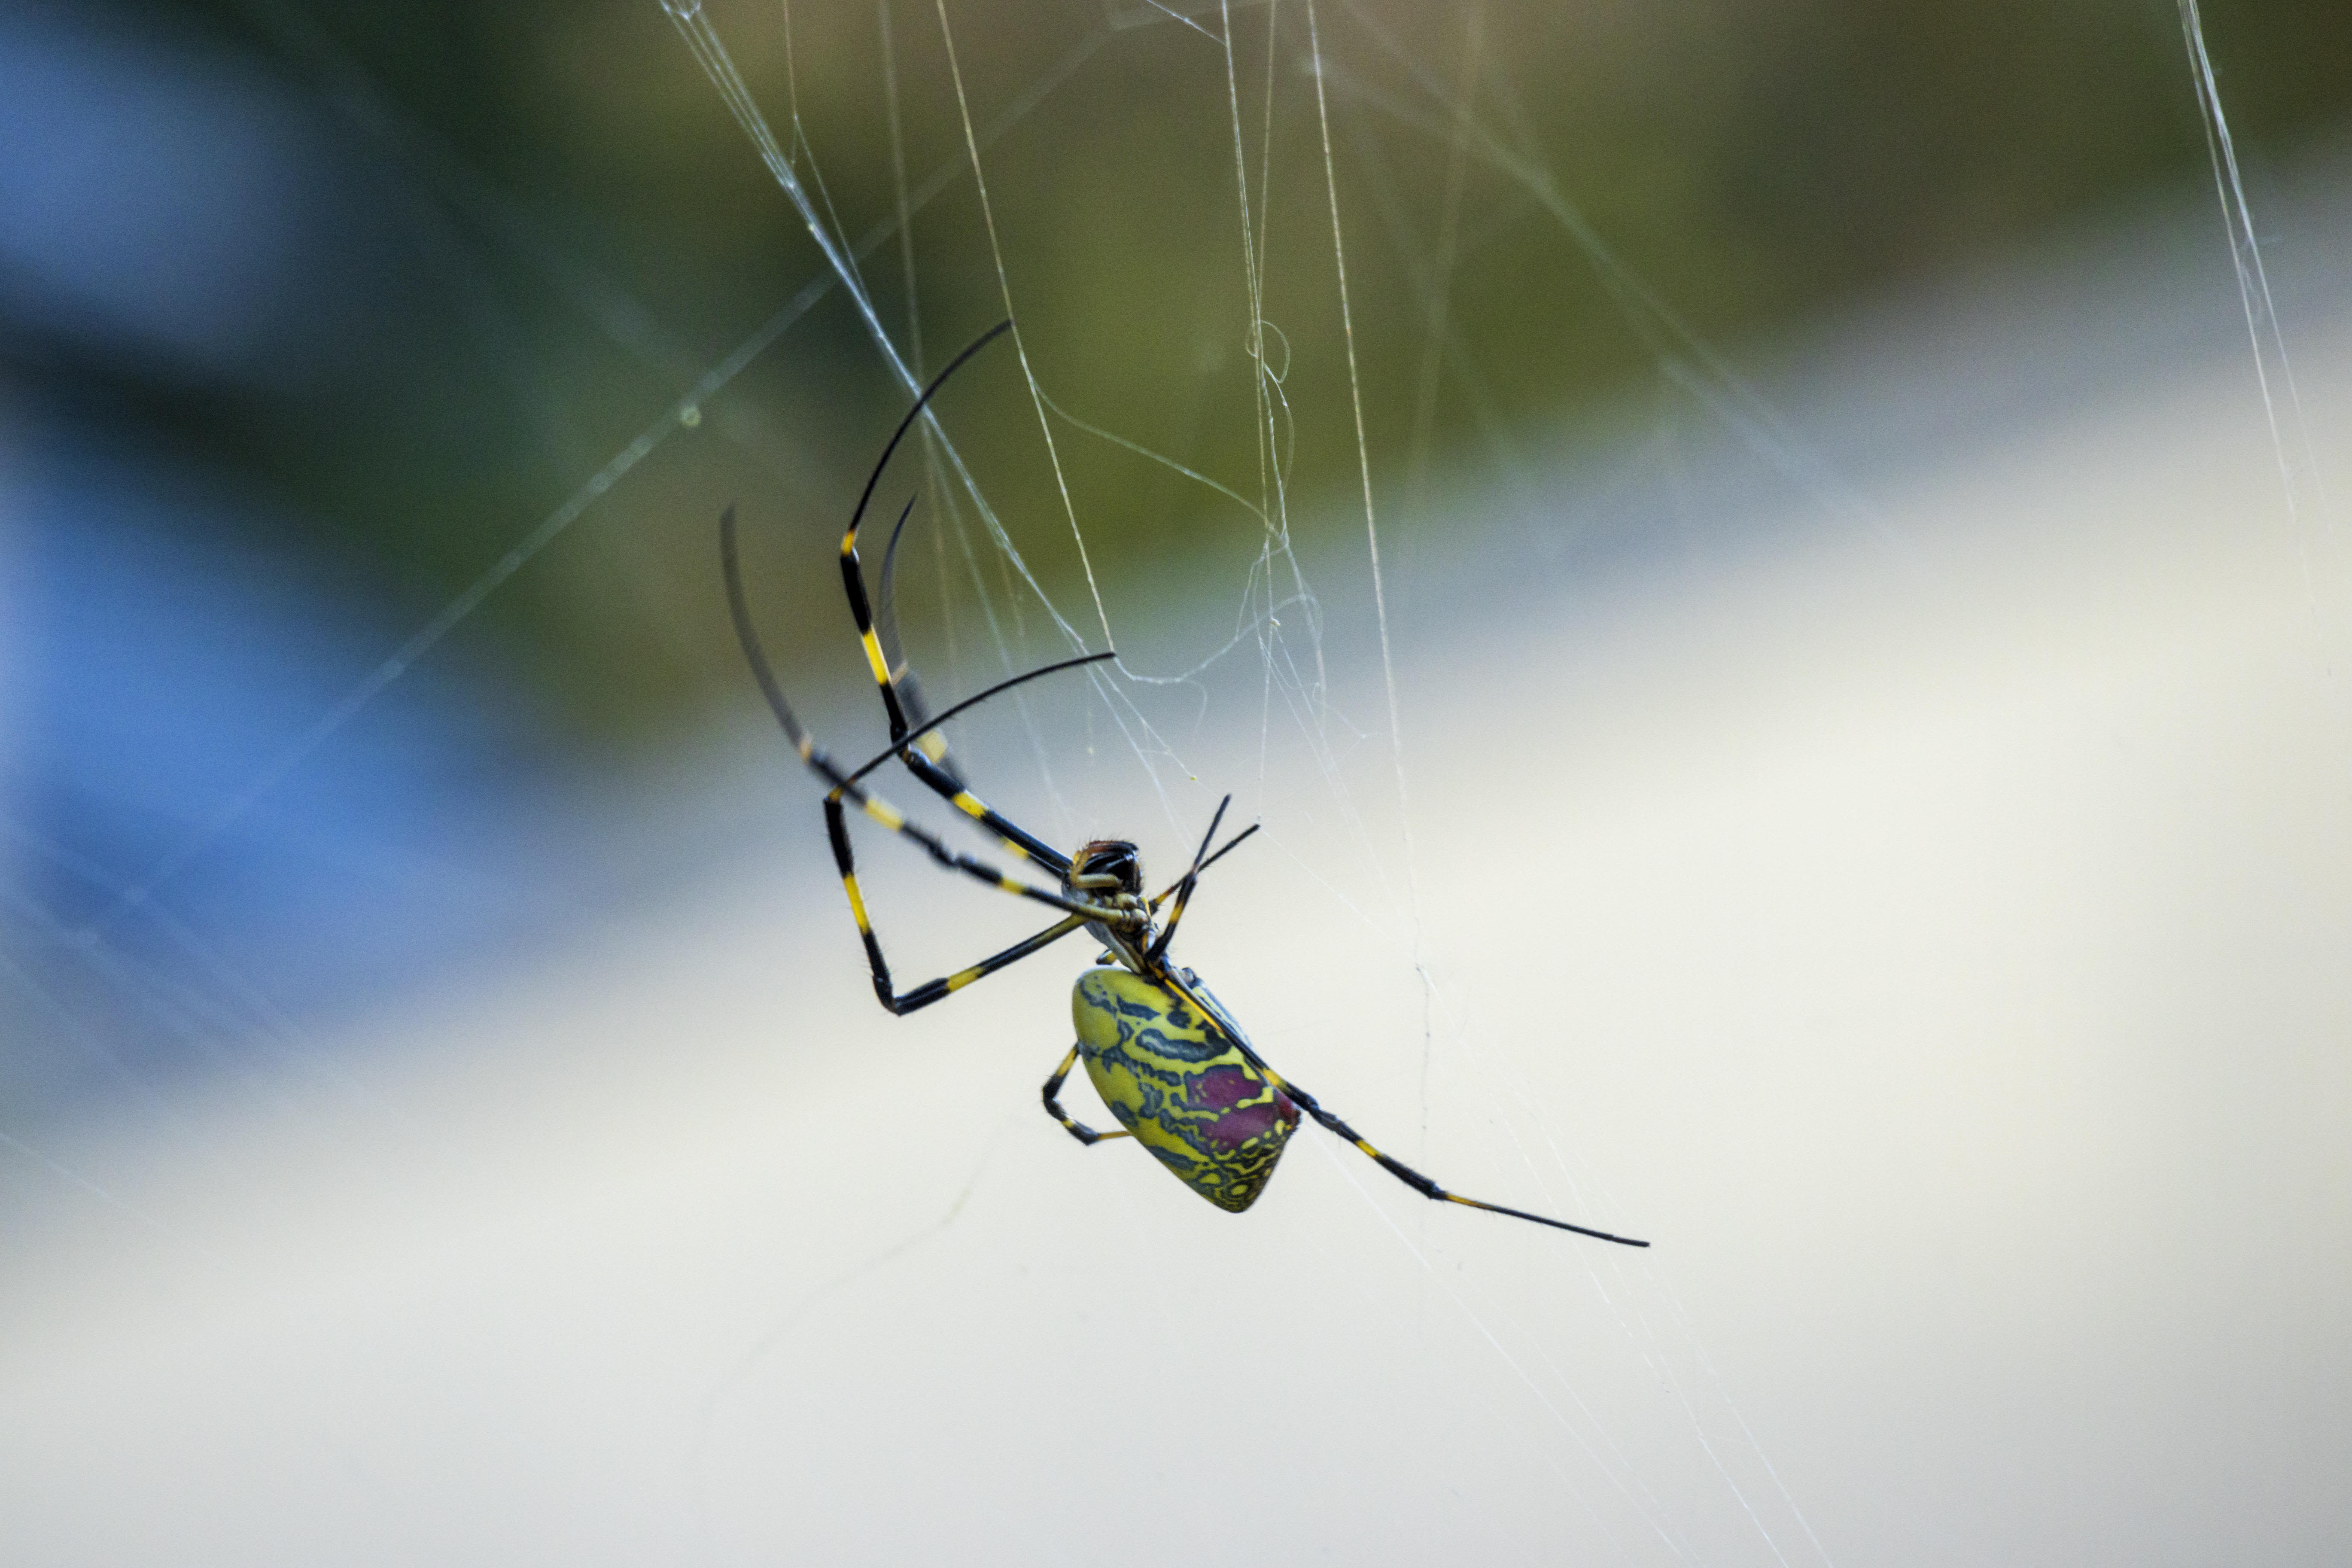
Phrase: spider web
(1669, 1359)
(1637, 1450)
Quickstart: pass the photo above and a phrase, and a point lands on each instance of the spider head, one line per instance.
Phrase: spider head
(1104, 868)
(1110, 872)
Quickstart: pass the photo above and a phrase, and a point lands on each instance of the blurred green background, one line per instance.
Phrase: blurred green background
(563, 228)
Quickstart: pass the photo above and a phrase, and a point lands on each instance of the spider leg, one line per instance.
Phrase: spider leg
(1192, 880)
(1164, 894)
(1394, 1167)
(844, 790)
(933, 741)
(844, 785)
(940, 781)
(930, 991)
(934, 777)
(1076, 1128)
(836, 827)
(1017, 839)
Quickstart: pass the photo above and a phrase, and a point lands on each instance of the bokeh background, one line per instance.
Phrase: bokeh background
(1842, 771)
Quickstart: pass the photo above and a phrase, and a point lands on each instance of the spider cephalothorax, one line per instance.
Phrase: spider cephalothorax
(1167, 1057)
(1112, 858)
(1110, 872)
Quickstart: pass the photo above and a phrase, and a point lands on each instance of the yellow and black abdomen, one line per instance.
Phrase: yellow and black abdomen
(1177, 1081)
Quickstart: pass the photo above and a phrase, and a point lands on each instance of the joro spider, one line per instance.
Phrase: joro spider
(1165, 1056)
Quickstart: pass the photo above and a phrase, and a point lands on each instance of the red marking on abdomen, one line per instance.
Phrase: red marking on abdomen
(1221, 1089)
(1225, 1088)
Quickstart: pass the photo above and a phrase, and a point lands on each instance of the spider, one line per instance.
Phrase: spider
(1164, 1054)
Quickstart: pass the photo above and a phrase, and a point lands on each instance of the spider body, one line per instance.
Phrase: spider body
(1176, 1077)
(1166, 1059)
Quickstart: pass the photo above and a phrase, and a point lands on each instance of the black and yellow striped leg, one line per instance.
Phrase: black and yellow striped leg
(1018, 839)
(1394, 1167)
(935, 778)
(888, 815)
(1414, 1178)
(1185, 889)
(853, 582)
(1171, 890)
(933, 741)
(923, 755)
(844, 788)
(940, 780)
(932, 991)
(1075, 1128)
(836, 826)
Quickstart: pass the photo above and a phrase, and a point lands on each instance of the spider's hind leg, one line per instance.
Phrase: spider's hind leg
(1183, 982)
(1075, 1128)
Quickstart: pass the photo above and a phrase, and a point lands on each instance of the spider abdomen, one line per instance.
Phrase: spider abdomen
(1181, 1084)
